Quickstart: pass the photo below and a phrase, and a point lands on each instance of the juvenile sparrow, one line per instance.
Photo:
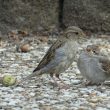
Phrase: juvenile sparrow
(94, 67)
(60, 55)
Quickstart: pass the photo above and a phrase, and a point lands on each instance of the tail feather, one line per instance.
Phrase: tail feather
(35, 70)
(30, 76)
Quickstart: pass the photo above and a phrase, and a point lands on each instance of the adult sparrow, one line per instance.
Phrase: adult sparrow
(60, 55)
(93, 66)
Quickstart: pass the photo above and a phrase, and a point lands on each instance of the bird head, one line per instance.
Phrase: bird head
(74, 33)
(95, 49)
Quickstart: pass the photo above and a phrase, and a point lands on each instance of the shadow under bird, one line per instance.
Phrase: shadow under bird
(60, 55)
(93, 66)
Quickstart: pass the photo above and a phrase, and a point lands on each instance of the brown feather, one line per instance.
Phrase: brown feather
(49, 55)
(105, 64)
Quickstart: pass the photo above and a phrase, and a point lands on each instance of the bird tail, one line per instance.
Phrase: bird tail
(30, 76)
(36, 69)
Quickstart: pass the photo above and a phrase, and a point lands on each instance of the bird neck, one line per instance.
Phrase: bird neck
(73, 45)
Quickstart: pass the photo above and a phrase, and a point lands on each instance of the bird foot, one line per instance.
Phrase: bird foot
(88, 83)
(64, 86)
(55, 84)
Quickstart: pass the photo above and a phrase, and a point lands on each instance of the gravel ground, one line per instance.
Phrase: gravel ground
(40, 93)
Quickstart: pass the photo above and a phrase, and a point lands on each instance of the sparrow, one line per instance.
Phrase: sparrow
(93, 66)
(60, 55)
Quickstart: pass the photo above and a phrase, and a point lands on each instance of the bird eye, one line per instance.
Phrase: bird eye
(94, 51)
(76, 33)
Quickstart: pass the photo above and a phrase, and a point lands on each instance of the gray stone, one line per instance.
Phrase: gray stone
(91, 15)
(28, 14)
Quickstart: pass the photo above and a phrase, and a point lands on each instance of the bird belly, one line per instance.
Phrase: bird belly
(95, 75)
(58, 65)
(64, 56)
(90, 70)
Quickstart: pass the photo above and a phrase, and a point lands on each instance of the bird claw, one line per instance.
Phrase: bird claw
(88, 83)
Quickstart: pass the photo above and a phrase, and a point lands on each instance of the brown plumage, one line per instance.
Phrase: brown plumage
(93, 66)
(105, 62)
(49, 55)
(60, 55)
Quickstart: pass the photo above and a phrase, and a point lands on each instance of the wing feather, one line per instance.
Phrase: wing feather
(105, 63)
(49, 55)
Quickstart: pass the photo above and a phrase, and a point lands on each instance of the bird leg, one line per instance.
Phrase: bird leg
(57, 75)
(65, 86)
(55, 82)
(88, 83)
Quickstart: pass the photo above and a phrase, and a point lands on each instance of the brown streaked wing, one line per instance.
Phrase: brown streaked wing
(105, 64)
(49, 55)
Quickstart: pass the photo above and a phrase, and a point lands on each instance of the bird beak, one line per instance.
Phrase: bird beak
(84, 35)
